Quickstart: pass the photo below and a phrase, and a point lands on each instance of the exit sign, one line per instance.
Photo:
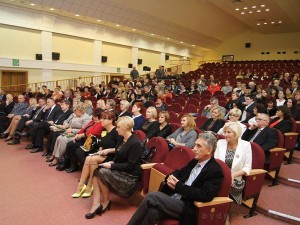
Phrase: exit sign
(16, 62)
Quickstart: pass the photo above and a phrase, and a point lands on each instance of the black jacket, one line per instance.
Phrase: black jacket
(62, 117)
(216, 127)
(204, 188)
(284, 125)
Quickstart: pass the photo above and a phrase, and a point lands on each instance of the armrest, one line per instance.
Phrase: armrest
(277, 149)
(291, 134)
(147, 166)
(256, 171)
(215, 201)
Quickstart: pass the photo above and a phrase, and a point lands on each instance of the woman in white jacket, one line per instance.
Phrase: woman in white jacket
(237, 154)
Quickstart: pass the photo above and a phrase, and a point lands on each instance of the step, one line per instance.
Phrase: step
(280, 202)
(290, 175)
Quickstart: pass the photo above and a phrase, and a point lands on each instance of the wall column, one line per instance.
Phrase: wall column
(97, 52)
(46, 46)
(134, 56)
(162, 58)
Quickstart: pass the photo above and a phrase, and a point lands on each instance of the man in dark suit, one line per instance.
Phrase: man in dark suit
(199, 180)
(261, 134)
(67, 96)
(248, 110)
(50, 114)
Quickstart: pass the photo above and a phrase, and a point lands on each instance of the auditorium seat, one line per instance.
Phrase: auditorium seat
(140, 135)
(290, 140)
(175, 126)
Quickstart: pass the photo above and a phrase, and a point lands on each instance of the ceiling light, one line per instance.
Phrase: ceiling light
(237, 9)
(262, 5)
(98, 20)
(258, 24)
(280, 21)
(267, 10)
(272, 22)
(265, 23)
(77, 15)
(51, 9)
(32, 4)
(245, 7)
(117, 25)
(253, 7)
(250, 12)
(242, 13)
(181, 42)
(168, 38)
(258, 10)
(134, 29)
(152, 34)
(193, 45)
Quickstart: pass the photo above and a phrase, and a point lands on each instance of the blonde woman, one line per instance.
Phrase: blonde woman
(16, 119)
(186, 134)
(215, 122)
(89, 107)
(151, 126)
(234, 115)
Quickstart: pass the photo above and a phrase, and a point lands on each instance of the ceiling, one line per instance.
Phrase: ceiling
(202, 24)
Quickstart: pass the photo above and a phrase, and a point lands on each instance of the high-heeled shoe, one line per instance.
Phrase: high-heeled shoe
(107, 208)
(87, 195)
(77, 195)
(97, 211)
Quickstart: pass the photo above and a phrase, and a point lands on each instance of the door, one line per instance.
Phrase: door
(14, 82)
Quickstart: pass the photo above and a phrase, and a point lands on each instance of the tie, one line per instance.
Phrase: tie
(193, 175)
(256, 134)
(38, 112)
(49, 113)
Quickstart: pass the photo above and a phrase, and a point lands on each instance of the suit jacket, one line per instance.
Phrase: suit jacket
(6, 109)
(70, 100)
(242, 158)
(284, 125)
(216, 127)
(38, 115)
(204, 188)
(20, 108)
(267, 138)
(92, 128)
(249, 113)
(52, 115)
(62, 117)
(127, 113)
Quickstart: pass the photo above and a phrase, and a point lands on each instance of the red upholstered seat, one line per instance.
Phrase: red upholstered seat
(200, 120)
(290, 140)
(175, 126)
(140, 135)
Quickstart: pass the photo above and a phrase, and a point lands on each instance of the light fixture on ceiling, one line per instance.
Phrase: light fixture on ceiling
(117, 25)
(77, 15)
(253, 7)
(250, 12)
(152, 34)
(133, 29)
(181, 42)
(258, 11)
(279, 21)
(51, 9)
(32, 4)
(258, 24)
(272, 22)
(262, 6)
(265, 23)
(237, 9)
(242, 13)
(245, 7)
(168, 38)
(267, 10)
(193, 45)
(99, 20)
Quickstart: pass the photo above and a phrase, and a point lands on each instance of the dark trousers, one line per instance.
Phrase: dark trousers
(52, 139)
(70, 151)
(38, 132)
(4, 122)
(21, 125)
(156, 206)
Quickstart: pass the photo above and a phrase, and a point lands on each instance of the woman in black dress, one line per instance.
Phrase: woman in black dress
(151, 126)
(165, 128)
(120, 175)
(106, 153)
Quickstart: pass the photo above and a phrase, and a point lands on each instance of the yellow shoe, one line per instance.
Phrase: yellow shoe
(77, 195)
(86, 195)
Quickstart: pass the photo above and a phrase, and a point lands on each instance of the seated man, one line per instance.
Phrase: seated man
(213, 103)
(261, 134)
(199, 180)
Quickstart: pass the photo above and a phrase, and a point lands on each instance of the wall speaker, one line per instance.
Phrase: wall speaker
(248, 45)
(104, 59)
(146, 68)
(38, 57)
(55, 55)
(130, 65)
(140, 61)
(167, 57)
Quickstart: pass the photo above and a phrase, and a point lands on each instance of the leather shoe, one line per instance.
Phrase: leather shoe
(3, 135)
(30, 146)
(71, 169)
(46, 154)
(36, 150)
(8, 139)
(14, 142)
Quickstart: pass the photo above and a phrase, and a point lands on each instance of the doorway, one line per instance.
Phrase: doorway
(14, 82)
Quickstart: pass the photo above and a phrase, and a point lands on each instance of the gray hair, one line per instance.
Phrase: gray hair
(125, 103)
(210, 139)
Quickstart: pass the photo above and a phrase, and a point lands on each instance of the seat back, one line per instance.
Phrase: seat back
(226, 183)
(175, 126)
(258, 156)
(162, 149)
(276, 156)
(140, 135)
(200, 120)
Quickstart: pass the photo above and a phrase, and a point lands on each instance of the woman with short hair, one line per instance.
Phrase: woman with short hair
(165, 128)
(151, 126)
(137, 116)
(215, 122)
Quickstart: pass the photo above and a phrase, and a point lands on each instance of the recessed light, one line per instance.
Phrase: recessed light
(134, 29)
(265, 23)
(32, 4)
(168, 38)
(245, 7)
(258, 24)
(77, 15)
(272, 22)
(193, 45)
(242, 13)
(250, 12)
(152, 34)
(99, 20)
(181, 42)
(280, 21)
(51, 9)
(267, 10)
(258, 10)
(117, 25)
(262, 5)
(253, 7)
(237, 9)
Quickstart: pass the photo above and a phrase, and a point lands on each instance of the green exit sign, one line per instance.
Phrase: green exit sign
(16, 62)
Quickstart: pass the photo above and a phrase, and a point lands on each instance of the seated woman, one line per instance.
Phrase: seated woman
(151, 126)
(110, 105)
(234, 115)
(281, 99)
(63, 142)
(165, 128)
(291, 103)
(57, 94)
(120, 175)
(89, 107)
(15, 120)
(138, 118)
(160, 105)
(216, 122)
(258, 108)
(271, 107)
(86, 94)
(124, 109)
(70, 127)
(282, 120)
(101, 104)
(237, 154)
(186, 134)
(106, 153)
